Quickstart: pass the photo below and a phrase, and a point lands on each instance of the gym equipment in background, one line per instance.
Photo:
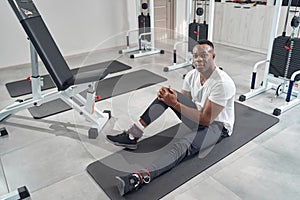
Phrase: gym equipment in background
(249, 124)
(146, 43)
(195, 32)
(69, 86)
(281, 66)
(18, 194)
(144, 21)
(107, 88)
(23, 87)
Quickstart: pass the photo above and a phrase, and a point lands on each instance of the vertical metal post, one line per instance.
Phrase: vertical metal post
(34, 61)
(151, 6)
(287, 17)
(138, 8)
(273, 33)
(188, 21)
(211, 19)
(36, 83)
(194, 8)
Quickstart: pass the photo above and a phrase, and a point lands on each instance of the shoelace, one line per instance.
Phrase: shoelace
(122, 134)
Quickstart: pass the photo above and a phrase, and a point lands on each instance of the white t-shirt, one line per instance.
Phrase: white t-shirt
(218, 88)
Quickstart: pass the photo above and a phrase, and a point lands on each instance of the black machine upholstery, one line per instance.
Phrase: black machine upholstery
(48, 52)
(279, 58)
(197, 31)
(144, 26)
(46, 47)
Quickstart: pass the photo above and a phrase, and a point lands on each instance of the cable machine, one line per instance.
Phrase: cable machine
(196, 31)
(282, 64)
(146, 43)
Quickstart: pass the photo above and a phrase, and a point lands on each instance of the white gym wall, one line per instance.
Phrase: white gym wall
(77, 27)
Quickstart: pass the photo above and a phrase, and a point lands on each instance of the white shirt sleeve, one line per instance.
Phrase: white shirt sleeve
(187, 82)
(221, 93)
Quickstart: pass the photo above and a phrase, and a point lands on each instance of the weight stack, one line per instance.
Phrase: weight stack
(295, 59)
(279, 58)
(193, 33)
(197, 31)
(144, 26)
(203, 31)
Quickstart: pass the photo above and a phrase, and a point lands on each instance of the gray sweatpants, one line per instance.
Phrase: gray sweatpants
(198, 138)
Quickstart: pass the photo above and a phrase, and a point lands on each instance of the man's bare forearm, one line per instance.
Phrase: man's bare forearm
(193, 114)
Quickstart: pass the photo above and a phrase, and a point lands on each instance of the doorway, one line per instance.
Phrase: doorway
(164, 18)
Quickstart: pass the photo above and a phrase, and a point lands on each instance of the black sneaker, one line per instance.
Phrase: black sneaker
(128, 183)
(122, 140)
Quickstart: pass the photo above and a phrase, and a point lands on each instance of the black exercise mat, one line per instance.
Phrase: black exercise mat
(23, 87)
(106, 88)
(249, 124)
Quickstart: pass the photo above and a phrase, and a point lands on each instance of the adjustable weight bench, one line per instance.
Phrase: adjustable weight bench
(69, 86)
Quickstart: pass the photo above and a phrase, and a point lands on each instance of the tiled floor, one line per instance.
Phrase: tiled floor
(50, 155)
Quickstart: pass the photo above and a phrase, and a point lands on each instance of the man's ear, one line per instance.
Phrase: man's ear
(214, 55)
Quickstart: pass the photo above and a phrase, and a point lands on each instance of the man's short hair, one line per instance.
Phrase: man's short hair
(209, 43)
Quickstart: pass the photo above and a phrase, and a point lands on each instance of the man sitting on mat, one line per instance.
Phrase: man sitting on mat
(205, 105)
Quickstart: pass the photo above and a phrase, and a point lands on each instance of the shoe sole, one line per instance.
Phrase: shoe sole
(120, 185)
(128, 146)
